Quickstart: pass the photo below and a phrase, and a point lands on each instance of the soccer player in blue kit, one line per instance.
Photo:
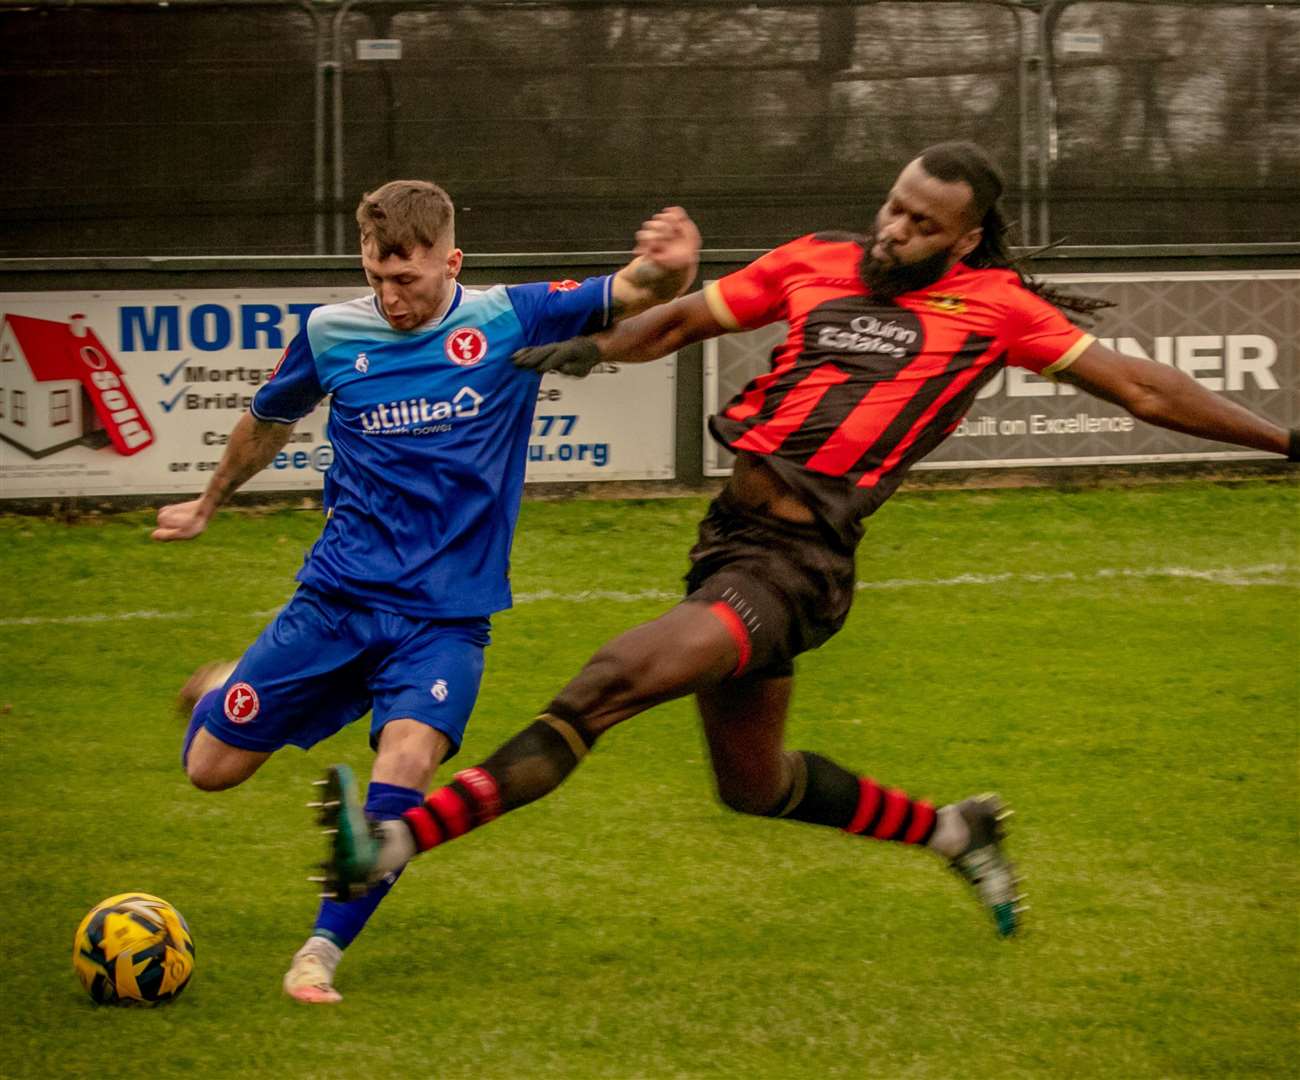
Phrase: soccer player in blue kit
(429, 421)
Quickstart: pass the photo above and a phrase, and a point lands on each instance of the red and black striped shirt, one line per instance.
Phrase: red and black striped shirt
(863, 388)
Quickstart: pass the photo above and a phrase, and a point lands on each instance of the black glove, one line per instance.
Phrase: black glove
(576, 357)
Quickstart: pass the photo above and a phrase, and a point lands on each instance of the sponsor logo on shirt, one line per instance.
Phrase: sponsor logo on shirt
(567, 285)
(420, 416)
(868, 334)
(466, 346)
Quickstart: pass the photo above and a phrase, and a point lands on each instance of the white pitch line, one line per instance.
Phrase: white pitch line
(1274, 574)
(1266, 574)
(588, 595)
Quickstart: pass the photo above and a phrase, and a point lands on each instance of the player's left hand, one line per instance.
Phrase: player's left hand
(575, 357)
(670, 240)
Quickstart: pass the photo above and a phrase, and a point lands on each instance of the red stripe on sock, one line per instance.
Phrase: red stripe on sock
(895, 807)
(427, 833)
(482, 787)
(922, 819)
(868, 798)
(738, 630)
(450, 808)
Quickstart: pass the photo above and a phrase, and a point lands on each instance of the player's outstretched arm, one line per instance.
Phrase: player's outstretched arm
(664, 263)
(252, 447)
(648, 336)
(1169, 398)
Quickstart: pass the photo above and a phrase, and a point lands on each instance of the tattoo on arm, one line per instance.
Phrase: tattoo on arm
(252, 447)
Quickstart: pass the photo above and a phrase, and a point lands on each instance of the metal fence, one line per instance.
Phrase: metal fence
(252, 126)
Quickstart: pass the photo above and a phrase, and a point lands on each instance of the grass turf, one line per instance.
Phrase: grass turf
(1057, 645)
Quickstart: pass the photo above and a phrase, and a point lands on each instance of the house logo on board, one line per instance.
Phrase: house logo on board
(60, 387)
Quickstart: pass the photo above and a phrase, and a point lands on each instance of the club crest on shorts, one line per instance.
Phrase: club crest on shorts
(242, 704)
(439, 690)
(466, 346)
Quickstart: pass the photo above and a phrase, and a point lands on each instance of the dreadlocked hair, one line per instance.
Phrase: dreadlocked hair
(964, 161)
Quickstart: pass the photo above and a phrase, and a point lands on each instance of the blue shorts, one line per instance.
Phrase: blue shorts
(323, 664)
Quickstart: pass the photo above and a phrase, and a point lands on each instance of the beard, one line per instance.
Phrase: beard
(887, 280)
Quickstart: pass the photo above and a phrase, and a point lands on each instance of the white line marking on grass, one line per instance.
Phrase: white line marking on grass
(116, 616)
(123, 616)
(1275, 574)
(586, 596)
(1266, 574)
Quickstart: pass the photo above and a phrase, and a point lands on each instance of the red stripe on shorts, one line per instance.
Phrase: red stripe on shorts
(427, 833)
(868, 800)
(451, 810)
(738, 630)
(895, 807)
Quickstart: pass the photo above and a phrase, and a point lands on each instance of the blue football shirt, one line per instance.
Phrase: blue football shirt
(430, 434)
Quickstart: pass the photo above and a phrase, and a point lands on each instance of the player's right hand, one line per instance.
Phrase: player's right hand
(181, 521)
(575, 357)
(670, 240)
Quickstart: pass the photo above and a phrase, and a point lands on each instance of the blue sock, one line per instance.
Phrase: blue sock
(340, 922)
(194, 725)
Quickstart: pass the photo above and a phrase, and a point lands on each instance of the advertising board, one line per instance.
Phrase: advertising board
(136, 393)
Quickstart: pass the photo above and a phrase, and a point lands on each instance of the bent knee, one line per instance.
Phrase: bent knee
(608, 679)
(211, 777)
(409, 751)
(747, 801)
(212, 765)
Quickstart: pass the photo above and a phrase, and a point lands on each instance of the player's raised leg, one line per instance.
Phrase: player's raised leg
(682, 651)
(744, 722)
(294, 684)
(210, 763)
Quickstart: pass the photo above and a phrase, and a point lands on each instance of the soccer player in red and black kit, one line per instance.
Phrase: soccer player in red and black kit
(891, 337)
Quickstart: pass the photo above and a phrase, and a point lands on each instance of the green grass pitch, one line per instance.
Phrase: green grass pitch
(1120, 663)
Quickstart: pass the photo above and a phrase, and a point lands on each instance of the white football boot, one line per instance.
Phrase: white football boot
(310, 977)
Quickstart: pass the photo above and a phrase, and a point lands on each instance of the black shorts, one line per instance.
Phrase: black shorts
(781, 587)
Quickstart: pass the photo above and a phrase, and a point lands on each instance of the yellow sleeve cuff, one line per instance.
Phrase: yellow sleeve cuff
(1070, 355)
(718, 307)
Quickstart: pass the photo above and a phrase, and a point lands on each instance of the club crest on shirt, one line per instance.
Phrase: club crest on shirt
(466, 346)
(363, 363)
(946, 302)
(242, 704)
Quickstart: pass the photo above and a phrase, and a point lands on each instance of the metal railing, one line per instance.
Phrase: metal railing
(831, 58)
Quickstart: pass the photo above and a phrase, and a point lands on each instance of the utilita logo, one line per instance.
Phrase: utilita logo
(420, 416)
